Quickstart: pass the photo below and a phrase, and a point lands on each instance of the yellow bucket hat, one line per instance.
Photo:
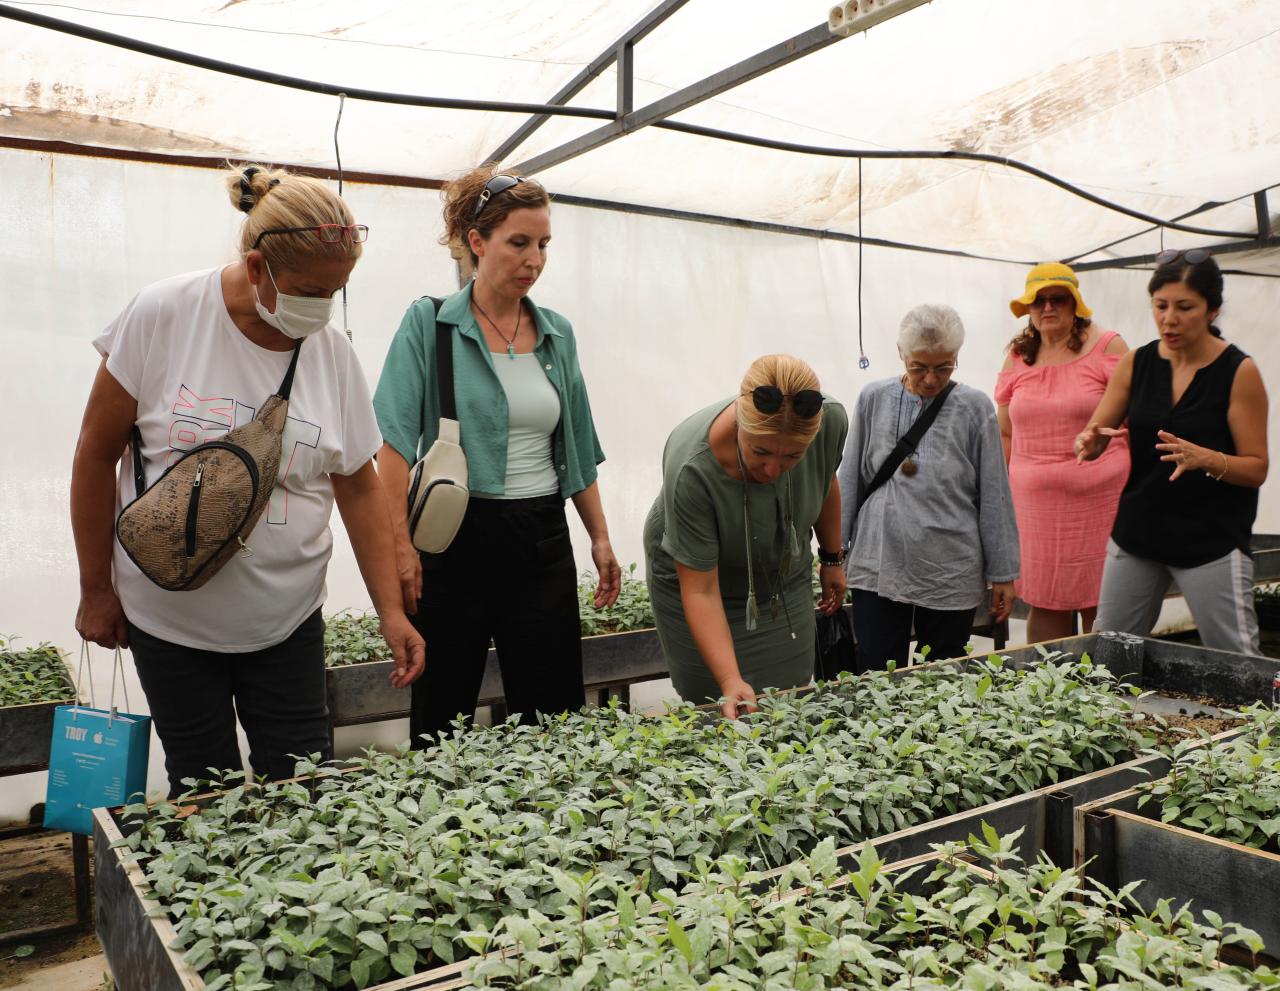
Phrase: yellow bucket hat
(1050, 274)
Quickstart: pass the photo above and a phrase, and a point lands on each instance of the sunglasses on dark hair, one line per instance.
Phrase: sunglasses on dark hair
(1193, 257)
(328, 233)
(496, 186)
(768, 399)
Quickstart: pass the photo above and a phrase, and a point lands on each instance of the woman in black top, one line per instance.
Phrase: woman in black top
(1197, 426)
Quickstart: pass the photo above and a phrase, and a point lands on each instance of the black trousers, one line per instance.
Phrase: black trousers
(883, 630)
(508, 577)
(195, 696)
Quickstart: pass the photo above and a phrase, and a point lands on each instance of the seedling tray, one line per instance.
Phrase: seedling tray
(360, 693)
(26, 732)
(1122, 843)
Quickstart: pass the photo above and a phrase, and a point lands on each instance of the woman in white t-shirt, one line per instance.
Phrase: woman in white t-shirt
(188, 359)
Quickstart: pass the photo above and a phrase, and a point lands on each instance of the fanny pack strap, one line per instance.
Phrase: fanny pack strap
(444, 364)
(135, 437)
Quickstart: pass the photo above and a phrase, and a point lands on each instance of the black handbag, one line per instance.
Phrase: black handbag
(833, 647)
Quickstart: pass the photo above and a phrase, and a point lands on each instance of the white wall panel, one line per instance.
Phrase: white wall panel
(667, 314)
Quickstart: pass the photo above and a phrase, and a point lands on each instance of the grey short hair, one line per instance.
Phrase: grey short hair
(931, 327)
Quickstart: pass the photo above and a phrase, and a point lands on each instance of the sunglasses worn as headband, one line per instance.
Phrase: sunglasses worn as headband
(1193, 257)
(496, 186)
(328, 233)
(768, 399)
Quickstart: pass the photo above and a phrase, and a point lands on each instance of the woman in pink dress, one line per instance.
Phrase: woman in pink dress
(1055, 373)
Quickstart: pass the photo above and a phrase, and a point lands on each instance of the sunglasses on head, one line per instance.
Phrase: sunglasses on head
(328, 233)
(1193, 257)
(768, 399)
(496, 186)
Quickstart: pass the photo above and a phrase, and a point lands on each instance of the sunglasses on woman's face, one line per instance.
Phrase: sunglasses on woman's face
(768, 399)
(1193, 257)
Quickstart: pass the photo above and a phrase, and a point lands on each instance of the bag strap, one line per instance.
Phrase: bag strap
(135, 438)
(444, 363)
(139, 477)
(286, 384)
(906, 445)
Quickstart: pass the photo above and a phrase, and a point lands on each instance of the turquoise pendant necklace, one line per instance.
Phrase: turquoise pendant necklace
(511, 341)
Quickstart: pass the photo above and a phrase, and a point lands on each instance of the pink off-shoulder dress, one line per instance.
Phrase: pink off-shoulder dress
(1064, 510)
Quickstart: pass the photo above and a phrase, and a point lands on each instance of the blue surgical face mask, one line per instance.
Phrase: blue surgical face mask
(295, 316)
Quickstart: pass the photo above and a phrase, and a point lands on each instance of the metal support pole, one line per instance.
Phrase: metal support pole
(83, 888)
(1059, 827)
(1263, 214)
(626, 78)
(1100, 848)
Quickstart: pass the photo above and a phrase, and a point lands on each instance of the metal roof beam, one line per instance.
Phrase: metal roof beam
(783, 53)
(1225, 248)
(599, 64)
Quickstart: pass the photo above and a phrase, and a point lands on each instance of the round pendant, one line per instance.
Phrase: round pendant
(909, 468)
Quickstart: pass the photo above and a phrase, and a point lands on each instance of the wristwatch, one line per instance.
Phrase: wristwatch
(830, 560)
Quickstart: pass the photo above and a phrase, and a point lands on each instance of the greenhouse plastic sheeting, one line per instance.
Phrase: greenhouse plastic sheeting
(1159, 104)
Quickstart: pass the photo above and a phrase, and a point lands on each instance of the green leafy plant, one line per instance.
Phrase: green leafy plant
(823, 928)
(1229, 789)
(352, 637)
(632, 611)
(406, 861)
(36, 674)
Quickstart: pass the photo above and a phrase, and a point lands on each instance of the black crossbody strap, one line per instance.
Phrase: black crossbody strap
(139, 478)
(444, 364)
(286, 384)
(907, 443)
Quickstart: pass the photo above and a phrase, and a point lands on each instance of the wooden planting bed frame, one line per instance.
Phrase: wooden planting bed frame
(136, 944)
(1122, 843)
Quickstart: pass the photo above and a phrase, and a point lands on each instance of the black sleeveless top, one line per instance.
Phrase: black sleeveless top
(1194, 520)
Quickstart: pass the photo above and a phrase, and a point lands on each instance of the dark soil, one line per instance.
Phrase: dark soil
(36, 890)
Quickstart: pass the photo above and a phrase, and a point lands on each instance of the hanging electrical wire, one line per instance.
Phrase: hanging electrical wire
(863, 361)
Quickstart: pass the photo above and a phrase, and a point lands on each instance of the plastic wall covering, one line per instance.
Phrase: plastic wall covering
(1160, 104)
(668, 314)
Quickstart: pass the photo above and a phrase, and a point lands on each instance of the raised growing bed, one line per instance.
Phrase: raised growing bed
(1159, 833)
(635, 795)
(620, 648)
(933, 921)
(33, 682)
(1048, 819)
(773, 801)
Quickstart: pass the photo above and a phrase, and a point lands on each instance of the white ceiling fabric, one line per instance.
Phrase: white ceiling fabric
(1162, 105)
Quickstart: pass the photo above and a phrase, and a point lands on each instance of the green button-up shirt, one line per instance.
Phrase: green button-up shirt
(408, 407)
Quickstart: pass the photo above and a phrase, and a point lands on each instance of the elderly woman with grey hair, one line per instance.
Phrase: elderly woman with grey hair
(926, 512)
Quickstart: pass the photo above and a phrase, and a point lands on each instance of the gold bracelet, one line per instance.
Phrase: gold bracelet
(1218, 477)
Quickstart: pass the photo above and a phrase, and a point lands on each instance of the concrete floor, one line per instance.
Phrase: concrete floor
(77, 975)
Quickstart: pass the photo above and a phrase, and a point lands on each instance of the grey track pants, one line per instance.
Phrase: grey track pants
(1219, 595)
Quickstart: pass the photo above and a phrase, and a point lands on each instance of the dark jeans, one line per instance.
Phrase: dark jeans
(883, 630)
(508, 577)
(196, 695)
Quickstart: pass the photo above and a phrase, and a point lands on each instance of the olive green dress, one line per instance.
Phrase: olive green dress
(698, 520)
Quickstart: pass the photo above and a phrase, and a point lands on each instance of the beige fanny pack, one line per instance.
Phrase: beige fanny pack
(438, 493)
(182, 530)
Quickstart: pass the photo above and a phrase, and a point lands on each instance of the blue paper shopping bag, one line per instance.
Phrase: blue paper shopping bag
(98, 757)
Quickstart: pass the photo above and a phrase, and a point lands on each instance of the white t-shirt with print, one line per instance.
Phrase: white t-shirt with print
(176, 350)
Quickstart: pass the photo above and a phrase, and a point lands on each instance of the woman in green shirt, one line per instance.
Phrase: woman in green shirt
(745, 482)
(530, 442)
